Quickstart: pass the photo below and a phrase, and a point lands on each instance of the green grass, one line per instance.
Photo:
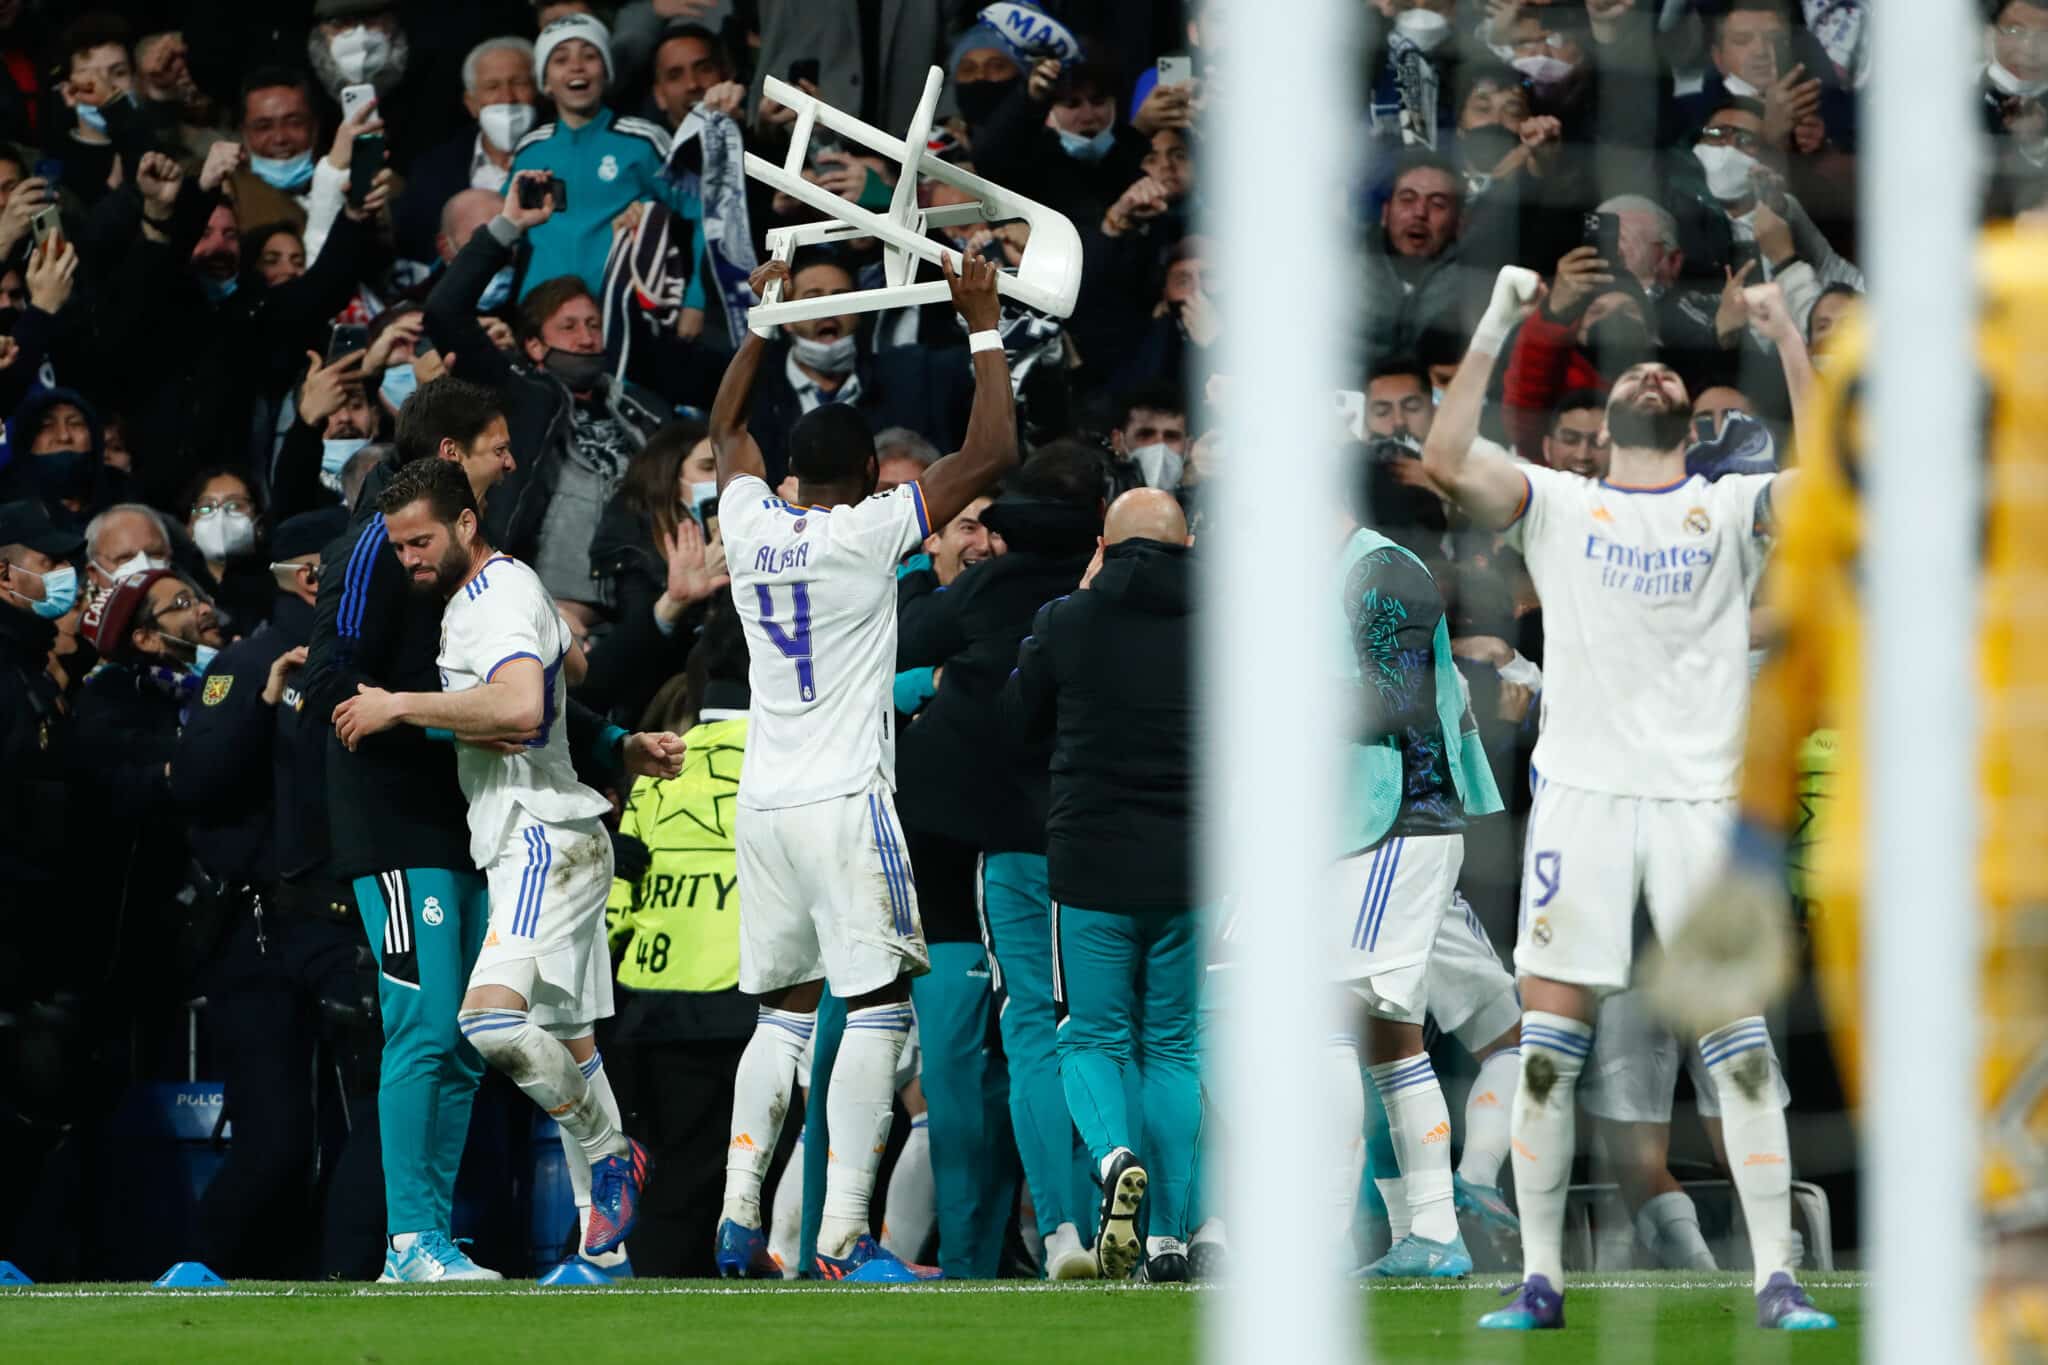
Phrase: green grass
(1660, 1319)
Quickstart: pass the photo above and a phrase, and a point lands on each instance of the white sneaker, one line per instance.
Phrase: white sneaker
(1065, 1257)
(433, 1258)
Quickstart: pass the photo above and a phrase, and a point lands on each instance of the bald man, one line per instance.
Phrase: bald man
(1105, 675)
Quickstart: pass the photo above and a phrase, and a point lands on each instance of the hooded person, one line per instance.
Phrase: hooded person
(54, 451)
(1063, 141)
(1593, 326)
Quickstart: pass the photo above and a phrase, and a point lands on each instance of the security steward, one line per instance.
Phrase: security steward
(674, 1045)
(287, 973)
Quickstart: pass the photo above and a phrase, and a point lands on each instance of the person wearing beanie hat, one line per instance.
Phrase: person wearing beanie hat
(606, 163)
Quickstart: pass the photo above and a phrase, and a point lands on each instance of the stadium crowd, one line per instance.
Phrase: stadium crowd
(251, 256)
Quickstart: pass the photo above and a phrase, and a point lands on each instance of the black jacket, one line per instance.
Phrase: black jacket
(959, 773)
(244, 829)
(1106, 673)
(928, 390)
(395, 802)
(633, 658)
(34, 743)
(537, 405)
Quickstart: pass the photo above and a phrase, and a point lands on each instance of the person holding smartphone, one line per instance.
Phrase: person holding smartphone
(602, 163)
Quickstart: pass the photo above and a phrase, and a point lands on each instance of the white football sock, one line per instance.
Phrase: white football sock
(1669, 1226)
(1745, 1071)
(912, 1206)
(542, 1067)
(1346, 1150)
(858, 1111)
(1545, 1132)
(1487, 1111)
(760, 1102)
(786, 1228)
(1420, 1124)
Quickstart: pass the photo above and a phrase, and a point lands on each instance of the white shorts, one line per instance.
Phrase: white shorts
(546, 940)
(1589, 857)
(1383, 910)
(1633, 1069)
(1469, 993)
(825, 891)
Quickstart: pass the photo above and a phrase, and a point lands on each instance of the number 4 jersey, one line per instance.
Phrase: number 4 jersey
(816, 587)
(502, 614)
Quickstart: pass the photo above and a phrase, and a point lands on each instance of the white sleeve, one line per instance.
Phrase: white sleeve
(511, 617)
(741, 504)
(1538, 486)
(885, 527)
(323, 206)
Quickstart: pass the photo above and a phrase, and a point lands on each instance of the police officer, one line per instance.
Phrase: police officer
(249, 775)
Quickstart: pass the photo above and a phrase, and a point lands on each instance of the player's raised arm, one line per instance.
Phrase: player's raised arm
(990, 450)
(1484, 482)
(731, 443)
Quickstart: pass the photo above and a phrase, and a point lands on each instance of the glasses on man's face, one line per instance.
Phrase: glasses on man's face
(2035, 38)
(211, 506)
(1721, 135)
(184, 601)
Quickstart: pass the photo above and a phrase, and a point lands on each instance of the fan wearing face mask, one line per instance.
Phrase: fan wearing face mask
(500, 96)
(576, 426)
(1743, 171)
(97, 70)
(226, 522)
(1058, 137)
(1593, 325)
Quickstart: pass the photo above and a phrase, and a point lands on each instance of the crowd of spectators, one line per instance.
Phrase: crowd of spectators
(235, 239)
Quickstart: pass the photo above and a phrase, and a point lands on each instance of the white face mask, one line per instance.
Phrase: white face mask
(1545, 73)
(1425, 28)
(224, 534)
(1160, 464)
(2009, 84)
(1735, 85)
(1727, 172)
(701, 493)
(826, 357)
(138, 563)
(505, 124)
(360, 53)
(1520, 671)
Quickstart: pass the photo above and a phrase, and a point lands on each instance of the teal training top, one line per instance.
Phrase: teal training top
(605, 165)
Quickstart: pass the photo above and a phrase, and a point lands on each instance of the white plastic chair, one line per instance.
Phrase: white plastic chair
(1046, 279)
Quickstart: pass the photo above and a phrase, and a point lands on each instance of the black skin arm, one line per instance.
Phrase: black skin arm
(990, 449)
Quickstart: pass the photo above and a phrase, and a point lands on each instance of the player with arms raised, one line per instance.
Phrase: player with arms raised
(825, 887)
(1645, 578)
(542, 977)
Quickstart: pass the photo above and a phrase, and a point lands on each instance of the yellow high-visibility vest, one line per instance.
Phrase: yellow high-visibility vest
(681, 924)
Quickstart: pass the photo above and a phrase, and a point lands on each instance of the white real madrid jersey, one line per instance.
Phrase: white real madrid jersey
(1646, 595)
(502, 614)
(816, 589)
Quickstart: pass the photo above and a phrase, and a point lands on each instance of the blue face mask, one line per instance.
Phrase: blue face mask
(203, 657)
(334, 454)
(496, 292)
(700, 492)
(1087, 148)
(285, 173)
(91, 117)
(60, 591)
(398, 384)
(220, 289)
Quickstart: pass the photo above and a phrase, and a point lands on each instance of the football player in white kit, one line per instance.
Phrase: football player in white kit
(543, 977)
(825, 886)
(1645, 578)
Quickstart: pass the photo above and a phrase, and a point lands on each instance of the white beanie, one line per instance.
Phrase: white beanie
(588, 27)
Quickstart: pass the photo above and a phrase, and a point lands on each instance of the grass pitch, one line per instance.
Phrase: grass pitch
(1654, 1319)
